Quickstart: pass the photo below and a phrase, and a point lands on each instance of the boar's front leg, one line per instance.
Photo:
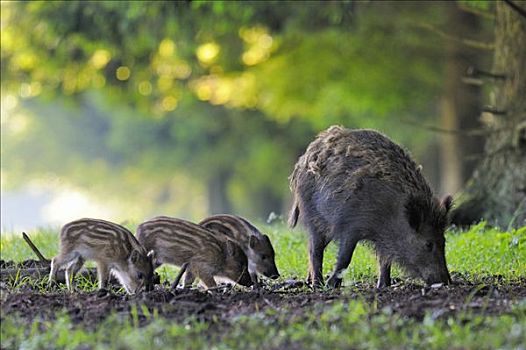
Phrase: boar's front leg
(344, 259)
(384, 280)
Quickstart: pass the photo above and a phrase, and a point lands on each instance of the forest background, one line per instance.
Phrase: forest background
(193, 108)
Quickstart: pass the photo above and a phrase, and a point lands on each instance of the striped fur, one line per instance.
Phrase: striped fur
(114, 249)
(255, 245)
(176, 241)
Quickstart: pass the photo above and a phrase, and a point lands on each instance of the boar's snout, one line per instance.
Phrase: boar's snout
(442, 277)
(272, 273)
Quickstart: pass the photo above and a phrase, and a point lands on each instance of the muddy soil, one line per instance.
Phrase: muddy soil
(488, 295)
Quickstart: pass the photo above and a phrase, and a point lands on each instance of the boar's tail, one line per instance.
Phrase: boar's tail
(294, 214)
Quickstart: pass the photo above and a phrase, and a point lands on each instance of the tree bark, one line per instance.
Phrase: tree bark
(218, 200)
(460, 103)
(497, 190)
(268, 202)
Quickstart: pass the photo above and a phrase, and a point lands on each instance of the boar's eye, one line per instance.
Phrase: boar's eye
(264, 257)
(140, 275)
(429, 246)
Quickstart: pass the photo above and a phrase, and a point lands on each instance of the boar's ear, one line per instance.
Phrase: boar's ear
(252, 241)
(414, 210)
(447, 202)
(135, 256)
(230, 249)
(266, 239)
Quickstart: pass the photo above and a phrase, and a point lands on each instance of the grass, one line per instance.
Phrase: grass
(480, 251)
(343, 325)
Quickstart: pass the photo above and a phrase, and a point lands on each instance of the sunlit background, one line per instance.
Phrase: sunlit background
(126, 110)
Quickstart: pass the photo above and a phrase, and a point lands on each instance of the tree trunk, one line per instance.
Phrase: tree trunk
(268, 202)
(497, 189)
(460, 103)
(218, 201)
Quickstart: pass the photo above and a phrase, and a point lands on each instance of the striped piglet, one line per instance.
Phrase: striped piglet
(254, 244)
(113, 248)
(180, 242)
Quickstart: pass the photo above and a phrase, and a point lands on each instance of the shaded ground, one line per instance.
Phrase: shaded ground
(489, 295)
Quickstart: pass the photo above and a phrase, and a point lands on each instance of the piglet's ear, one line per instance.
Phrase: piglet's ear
(414, 212)
(447, 202)
(151, 254)
(135, 256)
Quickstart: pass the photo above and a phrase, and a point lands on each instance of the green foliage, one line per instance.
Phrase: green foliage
(157, 100)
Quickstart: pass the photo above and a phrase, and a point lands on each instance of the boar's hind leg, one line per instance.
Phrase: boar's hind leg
(317, 244)
(384, 280)
(344, 259)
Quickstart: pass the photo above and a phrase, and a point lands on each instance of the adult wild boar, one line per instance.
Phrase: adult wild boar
(353, 185)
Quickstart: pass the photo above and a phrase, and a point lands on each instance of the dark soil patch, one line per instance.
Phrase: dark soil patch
(22, 265)
(487, 295)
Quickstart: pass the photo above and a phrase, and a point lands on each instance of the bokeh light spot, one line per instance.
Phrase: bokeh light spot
(145, 88)
(207, 53)
(123, 73)
(166, 48)
(100, 58)
(169, 103)
(182, 71)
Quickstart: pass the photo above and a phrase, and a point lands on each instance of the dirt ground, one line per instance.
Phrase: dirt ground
(488, 295)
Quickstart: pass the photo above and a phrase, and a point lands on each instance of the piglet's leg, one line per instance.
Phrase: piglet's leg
(207, 279)
(77, 265)
(184, 269)
(189, 278)
(73, 267)
(103, 273)
(59, 262)
(254, 278)
(54, 269)
(344, 259)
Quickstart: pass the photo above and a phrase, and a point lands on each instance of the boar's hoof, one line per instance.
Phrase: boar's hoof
(102, 292)
(317, 284)
(382, 283)
(334, 282)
